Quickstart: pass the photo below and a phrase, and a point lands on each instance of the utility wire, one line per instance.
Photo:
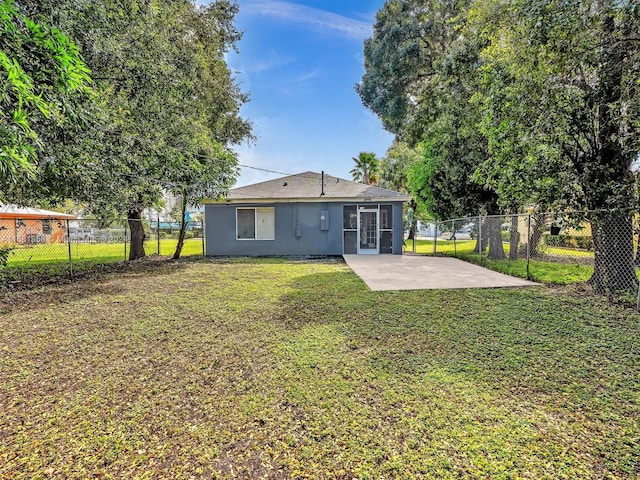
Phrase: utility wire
(169, 184)
(271, 171)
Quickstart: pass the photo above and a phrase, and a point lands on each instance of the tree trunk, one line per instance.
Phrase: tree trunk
(496, 249)
(136, 246)
(612, 233)
(613, 269)
(514, 240)
(537, 230)
(183, 228)
(414, 221)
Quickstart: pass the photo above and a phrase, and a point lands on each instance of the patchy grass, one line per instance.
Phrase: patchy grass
(568, 270)
(539, 271)
(281, 369)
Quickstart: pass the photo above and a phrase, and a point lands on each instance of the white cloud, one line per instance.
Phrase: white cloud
(271, 61)
(314, 17)
(266, 62)
(304, 77)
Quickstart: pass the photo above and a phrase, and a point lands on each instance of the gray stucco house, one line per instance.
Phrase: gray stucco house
(305, 214)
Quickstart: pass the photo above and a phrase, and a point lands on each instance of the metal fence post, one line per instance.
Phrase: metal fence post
(435, 237)
(453, 233)
(158, 234)
(69, 249)
(480, 238)
(125, 239)
(528, 245)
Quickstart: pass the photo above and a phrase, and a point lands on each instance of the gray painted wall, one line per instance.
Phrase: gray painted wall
(220, 224)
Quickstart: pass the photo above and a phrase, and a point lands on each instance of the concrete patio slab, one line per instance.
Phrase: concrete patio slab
(420, 272)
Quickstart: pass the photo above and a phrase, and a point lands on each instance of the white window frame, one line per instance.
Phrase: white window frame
(255, 219)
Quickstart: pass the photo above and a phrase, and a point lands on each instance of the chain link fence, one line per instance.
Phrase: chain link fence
(599, 248)
(60, 246)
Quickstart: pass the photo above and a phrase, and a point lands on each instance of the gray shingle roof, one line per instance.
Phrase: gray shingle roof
(308, 186)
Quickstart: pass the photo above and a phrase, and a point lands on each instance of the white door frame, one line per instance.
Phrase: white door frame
(369, 251)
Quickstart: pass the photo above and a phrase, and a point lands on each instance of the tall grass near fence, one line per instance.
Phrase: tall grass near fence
(560, 273)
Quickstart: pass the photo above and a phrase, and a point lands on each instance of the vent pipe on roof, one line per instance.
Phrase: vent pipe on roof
(322, 188)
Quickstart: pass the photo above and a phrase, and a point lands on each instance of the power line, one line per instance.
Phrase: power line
(270, 171)
(209, 157)
(166, 184)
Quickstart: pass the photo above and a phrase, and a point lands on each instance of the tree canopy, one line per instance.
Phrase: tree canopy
(166, 109)
(516, 103)
(366, 169)
(41, 71)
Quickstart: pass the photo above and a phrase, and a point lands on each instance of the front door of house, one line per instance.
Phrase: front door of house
(368, 231)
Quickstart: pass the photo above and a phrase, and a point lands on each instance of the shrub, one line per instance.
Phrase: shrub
(568, 241)
(4, 256)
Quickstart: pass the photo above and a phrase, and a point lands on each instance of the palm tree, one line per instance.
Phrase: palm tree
(367, 169)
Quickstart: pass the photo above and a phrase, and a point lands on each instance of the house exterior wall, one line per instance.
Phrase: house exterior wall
(31, 231)
(299, 229)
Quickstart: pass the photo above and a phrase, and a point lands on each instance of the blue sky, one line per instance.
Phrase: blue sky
(300, 61)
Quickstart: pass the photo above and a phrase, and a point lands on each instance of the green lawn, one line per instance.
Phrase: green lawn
(25, 256)
(561, 272)
(282, 369)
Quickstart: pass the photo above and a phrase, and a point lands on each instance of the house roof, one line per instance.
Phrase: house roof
(308, 186)
(9, 210)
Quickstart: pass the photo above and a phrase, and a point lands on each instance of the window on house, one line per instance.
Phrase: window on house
(350, 217)
(256, 223)
(349, 226)
(46, 226)
(386, 217)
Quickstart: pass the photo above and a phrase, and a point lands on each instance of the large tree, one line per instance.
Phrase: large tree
(420, 77)
(535, 102)
(167, 100)
(561, 92)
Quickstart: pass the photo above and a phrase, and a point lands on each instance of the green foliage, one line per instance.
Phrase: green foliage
(434, 91)
(395, 166)
(4, 256)
(42, 70)
(570, 241)
(558, 88)
(402, 61)
(166, 107)
(367, 168)
(520, 103)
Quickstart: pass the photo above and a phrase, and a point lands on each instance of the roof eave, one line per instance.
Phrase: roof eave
(36, 216)
(229, 201)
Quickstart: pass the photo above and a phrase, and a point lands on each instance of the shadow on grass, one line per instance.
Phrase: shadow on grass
(539, 341)
(24, 285)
